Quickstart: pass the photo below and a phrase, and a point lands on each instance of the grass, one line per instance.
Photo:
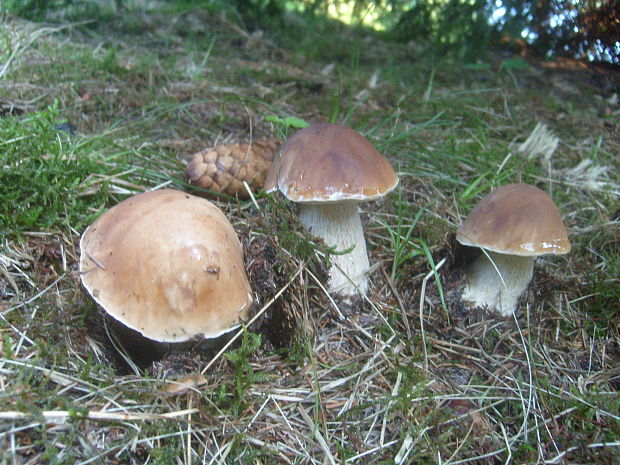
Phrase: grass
(405, 377)
(41, 190)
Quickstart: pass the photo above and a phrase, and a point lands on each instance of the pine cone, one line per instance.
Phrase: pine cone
(224, 168)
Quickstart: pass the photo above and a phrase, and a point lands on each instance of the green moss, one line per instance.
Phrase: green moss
(43, 172)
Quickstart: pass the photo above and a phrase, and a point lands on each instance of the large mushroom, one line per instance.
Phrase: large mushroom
(513, 225)
(328, 169)
(167, 265)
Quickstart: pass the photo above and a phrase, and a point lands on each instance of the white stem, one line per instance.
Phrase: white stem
(339, 225)
(487, 288)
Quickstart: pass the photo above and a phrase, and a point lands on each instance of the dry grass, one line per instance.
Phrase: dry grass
(409, 375)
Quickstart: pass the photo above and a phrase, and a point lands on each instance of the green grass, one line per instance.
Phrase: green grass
(405, 374)
(44, 172)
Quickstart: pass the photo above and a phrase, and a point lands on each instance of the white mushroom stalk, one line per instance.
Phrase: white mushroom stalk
(328, 169)
(339, 225)
(497, 280)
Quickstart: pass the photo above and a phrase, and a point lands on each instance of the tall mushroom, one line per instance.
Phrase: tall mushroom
(328, 169)
(168, 265)
(513, 225)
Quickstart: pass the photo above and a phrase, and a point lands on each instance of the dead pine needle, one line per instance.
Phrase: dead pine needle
(421, 313)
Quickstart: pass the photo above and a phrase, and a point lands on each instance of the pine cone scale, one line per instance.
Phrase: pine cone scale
(224, 168)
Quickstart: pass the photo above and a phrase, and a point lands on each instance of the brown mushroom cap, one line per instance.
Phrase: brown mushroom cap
(330, 163)
(166, 264)
(516, 219)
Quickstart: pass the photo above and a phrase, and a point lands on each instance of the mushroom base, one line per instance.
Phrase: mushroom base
(487, 288)
(339, 225)
(144, 351)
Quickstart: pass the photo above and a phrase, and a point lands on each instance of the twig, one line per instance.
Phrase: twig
(9, 278)
(325, 291)
(251, 194)
(318, 435)
(422, 296)
(403, 309)
(258, 314)
(35, 297)
(63, 415)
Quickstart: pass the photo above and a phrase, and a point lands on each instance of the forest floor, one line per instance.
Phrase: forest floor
(92, 111)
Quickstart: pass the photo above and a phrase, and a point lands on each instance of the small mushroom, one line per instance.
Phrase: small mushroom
(513, 225)
(328, 169)
(167, 265)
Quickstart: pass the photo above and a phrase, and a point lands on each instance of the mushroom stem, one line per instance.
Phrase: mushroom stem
(339, 225)
(487, 288)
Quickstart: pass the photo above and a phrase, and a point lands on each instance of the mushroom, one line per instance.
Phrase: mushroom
(328, 169)
(168, 265)
(513, 225)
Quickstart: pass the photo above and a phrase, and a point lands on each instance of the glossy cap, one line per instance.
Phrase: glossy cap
(166, 264)
(516, 219)
(330, 163)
